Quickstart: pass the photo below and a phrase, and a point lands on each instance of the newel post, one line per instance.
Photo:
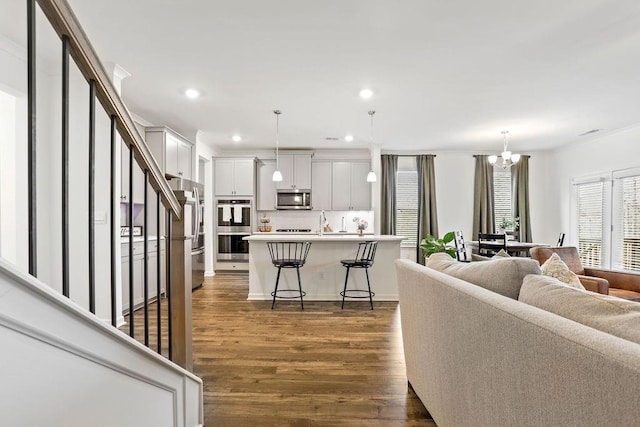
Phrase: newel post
(181, 234)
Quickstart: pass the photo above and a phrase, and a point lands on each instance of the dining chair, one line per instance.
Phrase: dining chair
(461, 247)
(491, 243)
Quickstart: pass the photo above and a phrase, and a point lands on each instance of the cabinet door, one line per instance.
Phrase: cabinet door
(302, 171)
(266, 187)
(243, 177)
(184, 160)
(125, 284)
(138, 280)
(153, 273)
(321, 185)
(340, 188)
(171, 155)
(124, 173)
(223, 177)
(286, 168)
(138, 178)
(360, 188)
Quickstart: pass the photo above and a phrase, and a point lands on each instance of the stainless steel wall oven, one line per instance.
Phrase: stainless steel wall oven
(233, 223)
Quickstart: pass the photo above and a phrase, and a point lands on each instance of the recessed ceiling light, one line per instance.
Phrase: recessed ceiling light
(191, 93)
(348, 138)
(236, 138)
(366, 93)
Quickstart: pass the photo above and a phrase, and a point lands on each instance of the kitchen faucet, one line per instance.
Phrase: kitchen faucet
(323, 222)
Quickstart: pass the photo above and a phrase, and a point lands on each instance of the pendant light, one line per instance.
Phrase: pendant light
(371, 176)
(277, 176)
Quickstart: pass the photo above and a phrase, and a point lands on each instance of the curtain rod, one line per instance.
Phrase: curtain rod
(521, 155)
(407, 155)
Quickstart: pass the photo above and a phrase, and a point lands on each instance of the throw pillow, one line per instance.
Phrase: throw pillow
(502, 254)
(555, 267)
(612, 315)
(502, 275)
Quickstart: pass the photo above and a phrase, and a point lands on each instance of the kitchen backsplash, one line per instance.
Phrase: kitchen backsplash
(311, 219)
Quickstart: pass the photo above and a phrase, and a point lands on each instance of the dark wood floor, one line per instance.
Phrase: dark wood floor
(285, 367)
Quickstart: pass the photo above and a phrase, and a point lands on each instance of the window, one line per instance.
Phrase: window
(502, 206)
(590, 221)
(607, 220)
(407, 206)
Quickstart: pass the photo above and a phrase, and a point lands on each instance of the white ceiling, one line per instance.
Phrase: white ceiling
(447, 75)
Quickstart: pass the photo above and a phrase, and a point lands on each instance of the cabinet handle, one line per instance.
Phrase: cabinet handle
(123, 197)
(180, 173)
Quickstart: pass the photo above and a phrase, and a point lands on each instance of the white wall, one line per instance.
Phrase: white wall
(454, 193)
(205, 153)
(605, 153)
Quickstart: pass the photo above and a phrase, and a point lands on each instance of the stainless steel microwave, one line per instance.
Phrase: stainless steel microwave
(294, 199)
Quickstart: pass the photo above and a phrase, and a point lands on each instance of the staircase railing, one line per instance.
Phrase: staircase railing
(76, 46)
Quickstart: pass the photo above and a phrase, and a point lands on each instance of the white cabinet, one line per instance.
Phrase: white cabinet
(138, 273)
(266, 200)
(138, 178)
(321, 185)
(234, 177)
(172, 151)
(349, 187)
(296, 171)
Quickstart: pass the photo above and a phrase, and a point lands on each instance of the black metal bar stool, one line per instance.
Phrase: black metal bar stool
(288, 255)
(364, 259)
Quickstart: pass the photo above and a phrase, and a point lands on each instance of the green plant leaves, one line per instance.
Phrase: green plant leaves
(431, 245)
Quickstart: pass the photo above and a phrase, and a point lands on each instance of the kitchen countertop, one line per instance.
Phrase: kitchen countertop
(136, 239)
(314, 237)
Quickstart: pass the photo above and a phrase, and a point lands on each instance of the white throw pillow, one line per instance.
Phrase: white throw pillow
(502, 254)
(555, 267)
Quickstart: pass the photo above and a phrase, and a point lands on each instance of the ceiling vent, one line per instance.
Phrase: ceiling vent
(589, 132)
(332, 138)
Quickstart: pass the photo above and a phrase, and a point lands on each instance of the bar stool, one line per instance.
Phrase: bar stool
(288, 255)
(364, 259)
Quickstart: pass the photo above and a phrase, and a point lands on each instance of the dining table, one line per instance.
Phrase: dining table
(512, 246)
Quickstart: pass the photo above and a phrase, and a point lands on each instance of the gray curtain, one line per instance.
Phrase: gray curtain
(427, 210)
(388, 193)
(483, 213)
(520, 196)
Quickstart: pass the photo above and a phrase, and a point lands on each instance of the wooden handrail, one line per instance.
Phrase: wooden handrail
(64, 22)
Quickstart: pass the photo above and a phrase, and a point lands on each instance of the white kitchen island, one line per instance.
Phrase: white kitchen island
(323, 275)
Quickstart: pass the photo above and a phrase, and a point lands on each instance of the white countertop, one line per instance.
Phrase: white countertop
(138, 239)
(314, 237)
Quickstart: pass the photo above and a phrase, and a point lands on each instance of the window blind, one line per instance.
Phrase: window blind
(590, 222)
(626, 223)
(407, 206)
(503, 209)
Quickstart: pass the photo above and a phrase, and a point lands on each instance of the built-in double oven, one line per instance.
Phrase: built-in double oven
(233, 223)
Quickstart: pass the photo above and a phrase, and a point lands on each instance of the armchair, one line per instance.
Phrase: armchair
(616, 283)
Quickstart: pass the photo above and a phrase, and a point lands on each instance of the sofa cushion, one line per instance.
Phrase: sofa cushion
(603, 312)
(502, 275)
(556, 268)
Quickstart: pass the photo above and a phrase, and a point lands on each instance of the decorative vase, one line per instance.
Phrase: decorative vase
(360, 232)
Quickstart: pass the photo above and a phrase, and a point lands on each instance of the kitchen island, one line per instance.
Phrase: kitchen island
(323, 275)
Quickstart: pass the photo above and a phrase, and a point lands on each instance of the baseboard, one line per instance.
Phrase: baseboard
(209, 273)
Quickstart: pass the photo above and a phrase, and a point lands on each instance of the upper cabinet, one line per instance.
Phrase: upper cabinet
(321, 185)
(296, 171)
(172, 151)
(234, 177)
(266, 200)
(349, 187)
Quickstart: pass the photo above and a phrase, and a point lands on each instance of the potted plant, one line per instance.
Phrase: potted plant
(509, 224)
(431, 245)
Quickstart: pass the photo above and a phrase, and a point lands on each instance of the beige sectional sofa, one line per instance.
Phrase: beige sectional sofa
(476, 357)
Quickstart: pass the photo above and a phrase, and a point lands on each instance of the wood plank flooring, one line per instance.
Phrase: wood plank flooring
(286, 367)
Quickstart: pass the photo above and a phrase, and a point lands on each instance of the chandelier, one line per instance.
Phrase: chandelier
(508, 158)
